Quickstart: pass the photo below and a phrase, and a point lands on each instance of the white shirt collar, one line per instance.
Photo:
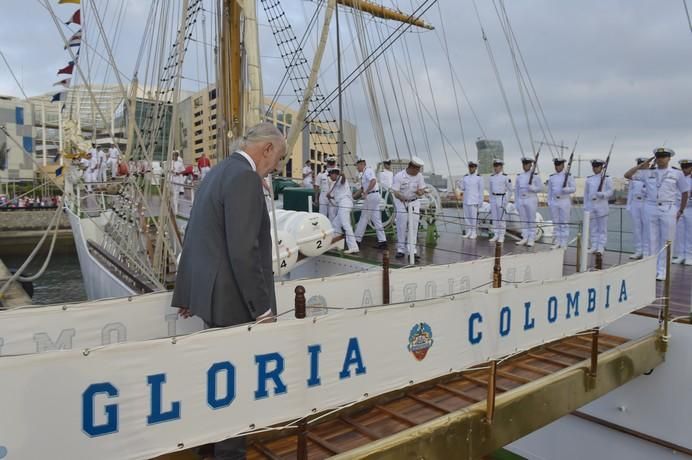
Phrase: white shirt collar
(249, 159)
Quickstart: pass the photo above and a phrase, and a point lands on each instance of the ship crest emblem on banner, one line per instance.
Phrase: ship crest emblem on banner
(420, 340)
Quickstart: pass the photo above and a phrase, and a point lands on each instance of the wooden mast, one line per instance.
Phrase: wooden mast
(230, 81)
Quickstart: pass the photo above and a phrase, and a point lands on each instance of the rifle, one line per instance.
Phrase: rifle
(605, 168)
(569, 163)
(535, 164)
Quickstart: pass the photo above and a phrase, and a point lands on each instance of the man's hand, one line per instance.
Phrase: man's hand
(184, 312)
(266, 317)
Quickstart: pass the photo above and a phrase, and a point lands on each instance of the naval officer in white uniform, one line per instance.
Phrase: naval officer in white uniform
(370, 192)
(683, 231)
(560, 188)
(386, 176)
(663, 183)
(340, 195)
(635, 206)
(323, 185)
(526, 194)
(407, 187)
(471, 185)
(500, 189)
(596, 202)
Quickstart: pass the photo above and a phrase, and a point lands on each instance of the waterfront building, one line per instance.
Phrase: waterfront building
(488, 150)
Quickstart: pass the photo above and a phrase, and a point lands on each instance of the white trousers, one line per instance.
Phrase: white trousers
(527, 216)
(114, 167)
(402, 224)
(497, 214)
(560, 214)
(599, 227)
(470, 219)
(683, 236)
(342, 222)
(204, 171)
(371, 213)
(661, 220)
(101, 177)
(325, 206)
(640, 228)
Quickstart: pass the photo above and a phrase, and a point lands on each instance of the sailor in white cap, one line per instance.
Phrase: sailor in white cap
(500, 193)
(371, 205)
(663, 183)
(386, 176)
(340, 195)
(307, 174)
(635, 206)
(560, 186)
(322, 186)
(471, 185)
(529, 183)
(407, 187)
(596, 198)
(683, 232)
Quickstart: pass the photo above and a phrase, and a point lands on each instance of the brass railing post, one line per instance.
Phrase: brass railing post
(385, 278)
(497, 268)
(666, 296)
(578, 267)
(492, 372)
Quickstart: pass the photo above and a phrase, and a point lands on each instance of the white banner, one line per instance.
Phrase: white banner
(89, 324)
(143, 399)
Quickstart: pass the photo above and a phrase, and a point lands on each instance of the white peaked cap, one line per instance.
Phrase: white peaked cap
(416, 161)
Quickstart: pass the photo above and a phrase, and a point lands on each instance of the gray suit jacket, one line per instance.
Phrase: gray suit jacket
(225, 271)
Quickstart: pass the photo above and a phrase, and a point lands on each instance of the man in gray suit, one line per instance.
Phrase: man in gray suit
(225, 270)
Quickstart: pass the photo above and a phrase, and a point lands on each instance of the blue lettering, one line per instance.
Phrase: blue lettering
(572, 302)
(156, 382)
(607, 305)
(475, 338)
(529, 323)
(213, 399)
(111, 410)
(623, 292)
(505, 321)
(275, 374)
(592, 300)
(353, 356)
(552, 309)
(314, 352)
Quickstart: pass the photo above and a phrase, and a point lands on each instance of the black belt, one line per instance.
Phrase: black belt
(374, 191)
(499, 194)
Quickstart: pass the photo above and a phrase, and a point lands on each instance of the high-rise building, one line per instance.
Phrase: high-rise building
(16, 163)
(488, 150)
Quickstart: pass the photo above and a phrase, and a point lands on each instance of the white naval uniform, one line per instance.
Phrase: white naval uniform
(371, 208)
(103, 166)
(325, 184)
(307, 180)
(527, 203)
(472, 186)
(500, 186)
(560, 204)
(92, 171)
(635, 206)
(407, 186)
(177, 180)
(597, 204)
(385, 178)
(113, 155)
(662, 186)
(683, 230)
(342, 211)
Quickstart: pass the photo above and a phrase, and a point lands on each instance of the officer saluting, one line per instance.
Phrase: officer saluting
(560, 186)
(596, 198)
(635, 206)
(662, 185)
(500, 193)
(528, 185)
(472, 187)
(683, 233)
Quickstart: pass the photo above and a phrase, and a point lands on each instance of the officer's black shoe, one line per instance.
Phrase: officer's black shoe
(399, 255)
(381, 245)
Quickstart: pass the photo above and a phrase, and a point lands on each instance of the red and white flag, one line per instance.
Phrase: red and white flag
(75, 40)
(75, 19)
(68, 69)
(65, 82)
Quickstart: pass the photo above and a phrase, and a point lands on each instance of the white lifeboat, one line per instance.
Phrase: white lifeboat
(312, 231)
(288, 252)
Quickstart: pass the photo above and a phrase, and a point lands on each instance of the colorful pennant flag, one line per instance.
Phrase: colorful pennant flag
(65, 82)
(68, 69)
(62, 2)
(58, 172)
(75, 19)
(75, 40)
(59, 97)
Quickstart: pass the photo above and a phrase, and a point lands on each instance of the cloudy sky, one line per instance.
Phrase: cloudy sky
(601, 69)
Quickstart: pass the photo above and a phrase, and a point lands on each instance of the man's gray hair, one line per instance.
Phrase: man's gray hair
(262, 132)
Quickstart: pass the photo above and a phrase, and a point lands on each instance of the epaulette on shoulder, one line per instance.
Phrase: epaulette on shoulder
(675, 167)
(653, 167)
(504, 174)
(552, 174)
(465, 175)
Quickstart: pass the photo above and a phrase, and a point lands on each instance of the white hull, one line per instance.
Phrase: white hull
(99, 282)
